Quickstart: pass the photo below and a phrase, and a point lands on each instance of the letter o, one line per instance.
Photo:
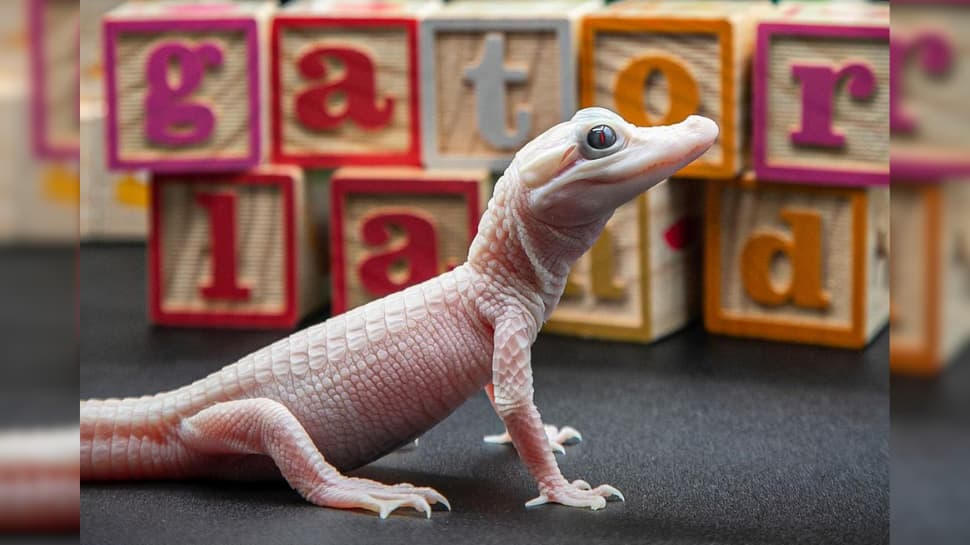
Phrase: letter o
(683, 94)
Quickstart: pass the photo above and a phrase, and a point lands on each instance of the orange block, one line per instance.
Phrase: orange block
(930, 312)
(656, 63)
(640, 281)
(797, 263)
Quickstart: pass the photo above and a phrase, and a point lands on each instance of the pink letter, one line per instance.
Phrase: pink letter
(170, 119)
(936, 60)
(818, 94)
(222, 242)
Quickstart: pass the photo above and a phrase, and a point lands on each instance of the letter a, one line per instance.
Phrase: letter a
(358, 85)
(419, 252)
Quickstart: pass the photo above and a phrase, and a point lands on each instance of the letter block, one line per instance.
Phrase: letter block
(90, 54)
(657, 63)
(54, 41)
(930, 260)
(345, 86)
(16, 157)
(640, 280)
(114, 203)
(929, 114)
(232, 250)
(797, 263)
(494, 75)
(14, 37)
(821, 96)
(183, 86)
(393, 228)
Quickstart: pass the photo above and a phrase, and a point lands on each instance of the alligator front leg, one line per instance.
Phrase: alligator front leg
(512, 380)
(558, 437)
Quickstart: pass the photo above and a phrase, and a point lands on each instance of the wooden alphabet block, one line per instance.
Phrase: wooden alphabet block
(14, 39)
(930, 313)
(494, 76)
(797, 263)
(114, 203)
(639, 282)
(91, 70)
(183, 86)
(821, 96)
(15, 156)
(655, 63)
(393, 228)
(54, 41)
(929, 114)
(365, 113)
(49, 202)
(232, 250)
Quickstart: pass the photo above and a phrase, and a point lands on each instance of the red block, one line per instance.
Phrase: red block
(232, 250)
(394, 228)
(344, 86)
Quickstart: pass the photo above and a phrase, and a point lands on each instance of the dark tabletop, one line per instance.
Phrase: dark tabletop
(711, 439)
(930, 467)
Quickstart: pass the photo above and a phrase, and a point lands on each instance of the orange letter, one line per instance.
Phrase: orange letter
(602, 272)
(681, 90)
(803, 248)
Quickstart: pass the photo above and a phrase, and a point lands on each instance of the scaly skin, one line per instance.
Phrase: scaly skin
(343, 393)
(38, 480)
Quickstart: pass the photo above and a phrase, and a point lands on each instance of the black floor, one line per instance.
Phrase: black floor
(711, 439)
(930, 473)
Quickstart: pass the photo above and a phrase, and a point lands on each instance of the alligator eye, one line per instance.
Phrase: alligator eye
(601, 137)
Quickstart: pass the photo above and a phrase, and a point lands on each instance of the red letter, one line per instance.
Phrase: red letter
(357, 86)
(419, 252)
(222, 240)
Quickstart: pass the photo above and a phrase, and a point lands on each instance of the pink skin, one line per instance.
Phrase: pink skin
(343, 393)
(38, 480)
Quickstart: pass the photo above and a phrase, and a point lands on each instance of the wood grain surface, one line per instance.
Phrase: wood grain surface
(935, 101)
(851, 299)
(537, 52)
(60, 69)
(185, 248)
(698, 53)
(914, 322)
(223, 89)
(388, 48)
(447, 213)
(653, 286)
(865, 123)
